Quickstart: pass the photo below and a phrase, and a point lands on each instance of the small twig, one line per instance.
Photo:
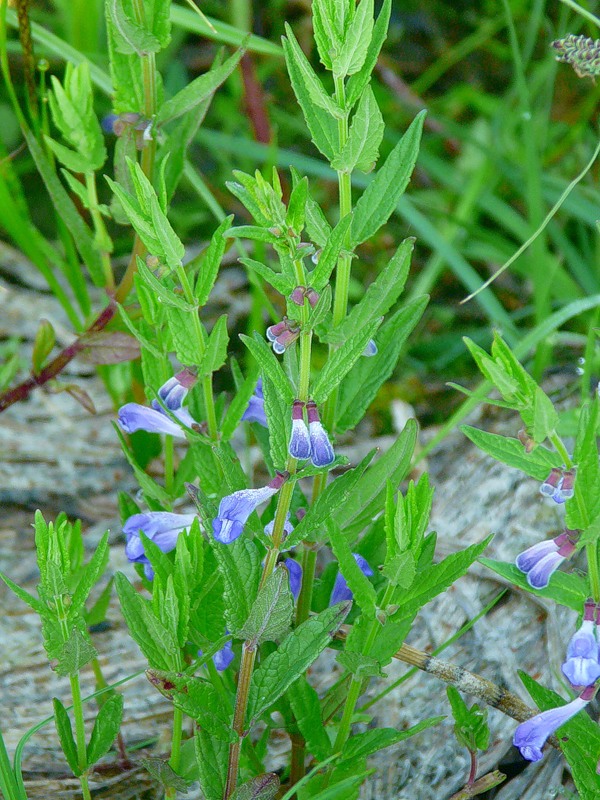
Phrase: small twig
(24, 389)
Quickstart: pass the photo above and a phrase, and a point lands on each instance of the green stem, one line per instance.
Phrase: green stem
(175, 759)
(80, 734)
(239, 717)
(558, 445)
(102, 238)
(169, 463)
(309, 561)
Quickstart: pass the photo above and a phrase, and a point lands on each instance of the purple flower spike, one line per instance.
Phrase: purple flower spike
(295, 573)
(162, 527)
(255, 411)
(299, 446)
(321, 450)
(582, 667)
(135, 417)
(543, 558)
(234, 509)
(531, 735)
(223, 657)
(341, 591)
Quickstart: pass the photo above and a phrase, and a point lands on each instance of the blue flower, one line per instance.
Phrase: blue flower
(162, 527)
(582, 667)
(255, 411)
(223, 657)
(559, 485)
(134, 417)
(287, 528)
(295, 574)
(300, 443)
(321, 450)
(234, 509)
(341, 590)
(531, 735)
(370, 349)
(542, 559)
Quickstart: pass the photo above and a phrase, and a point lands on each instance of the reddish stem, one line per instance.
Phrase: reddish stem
(473, 770)
(51, 370)
(255, 102)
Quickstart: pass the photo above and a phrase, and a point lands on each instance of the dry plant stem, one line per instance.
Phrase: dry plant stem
(55, 367)
(28, 56)
(484, 784)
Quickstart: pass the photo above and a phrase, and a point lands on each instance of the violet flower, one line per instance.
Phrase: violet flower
(234, 509)
(223, 657)
(341, 590)
(295, 574)
(162, 527)
(582, 667)
(559, 485)
(134, 417)
(370, 349)
(300, 443)
(531, 735)
(283, 334)
(542, 559)
(321, 450)
(255, 410)
(287, 529)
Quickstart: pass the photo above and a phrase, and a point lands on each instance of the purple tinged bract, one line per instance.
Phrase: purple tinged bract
(531, 736)
(341, 590)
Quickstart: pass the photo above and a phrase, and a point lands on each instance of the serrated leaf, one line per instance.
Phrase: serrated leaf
(565, 588)
(585, 505)
(163, 772)
(294, 218)
(65, 735)
(270, 366)
(239, 403)
(322, 126)
(357, 82)
(238, 565)
(150, 488)
(328, 258)
(360, 586)
(164, 294)
(361, 150)
(130, 36)
(307, 713)
(360, 387)
(292, 658)
(106, 727)
(342, 360)
(38, 606)
(401, 570)
(211, 754)
(88, 578)
(380, 198)
(210, 263)
(271, 613)
(215, 354)
(510, 451)
(75, 653)
(545, 418)
(314, 87)
(278, 281)
(199, 90)
(154, 640)
(366, 744)
(262, 787)
(357, 38)
(186, 336)
(360, 666)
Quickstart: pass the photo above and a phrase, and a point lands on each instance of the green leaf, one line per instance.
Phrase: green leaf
(149, 487)
(131, 36)
(357, 82)
(294, 56)
(401, 569)
(270, 366)
(565, 588)
(328, 258)
(88, 578)
(470, 724)
(279, 423)
(155, 641)
(307, 713)
(199, 90)
(197, 698)
(361, 150)
(354, 49)
(383, 292)
(292, 658)
(579, 739)
(323, 128)
(159, 290)
(271, 613)
(278, 281)
(342, 360)
(327, 37)
(509, 451)
(585, 505)
(65, 735)
(361, 587)
(360, 666)
(360, 387)
(162, 772)
(545, 418)
(38, 606)
(106, 728)
(45, 339)
(216, 348)
(239, 403)
(262, 787)
(75, 653)
(346, 788)
(254, 232)
(297, 206)
(362, 745)
(238, 565)
(381, 196)
(186, 336)
(211, 754)
(211, 261)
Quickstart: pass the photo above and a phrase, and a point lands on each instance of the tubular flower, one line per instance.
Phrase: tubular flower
(255, 411)
(299, 446)
(370, 349)
(321, 450)
(234, 509)
(295, 574)
(582, 667)
(287, 528)
(135, 417)
(162, 527)
(341, 590)
(559, 485)
(223, 657)
(283, 334)
(531, 735)
(542, 559)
